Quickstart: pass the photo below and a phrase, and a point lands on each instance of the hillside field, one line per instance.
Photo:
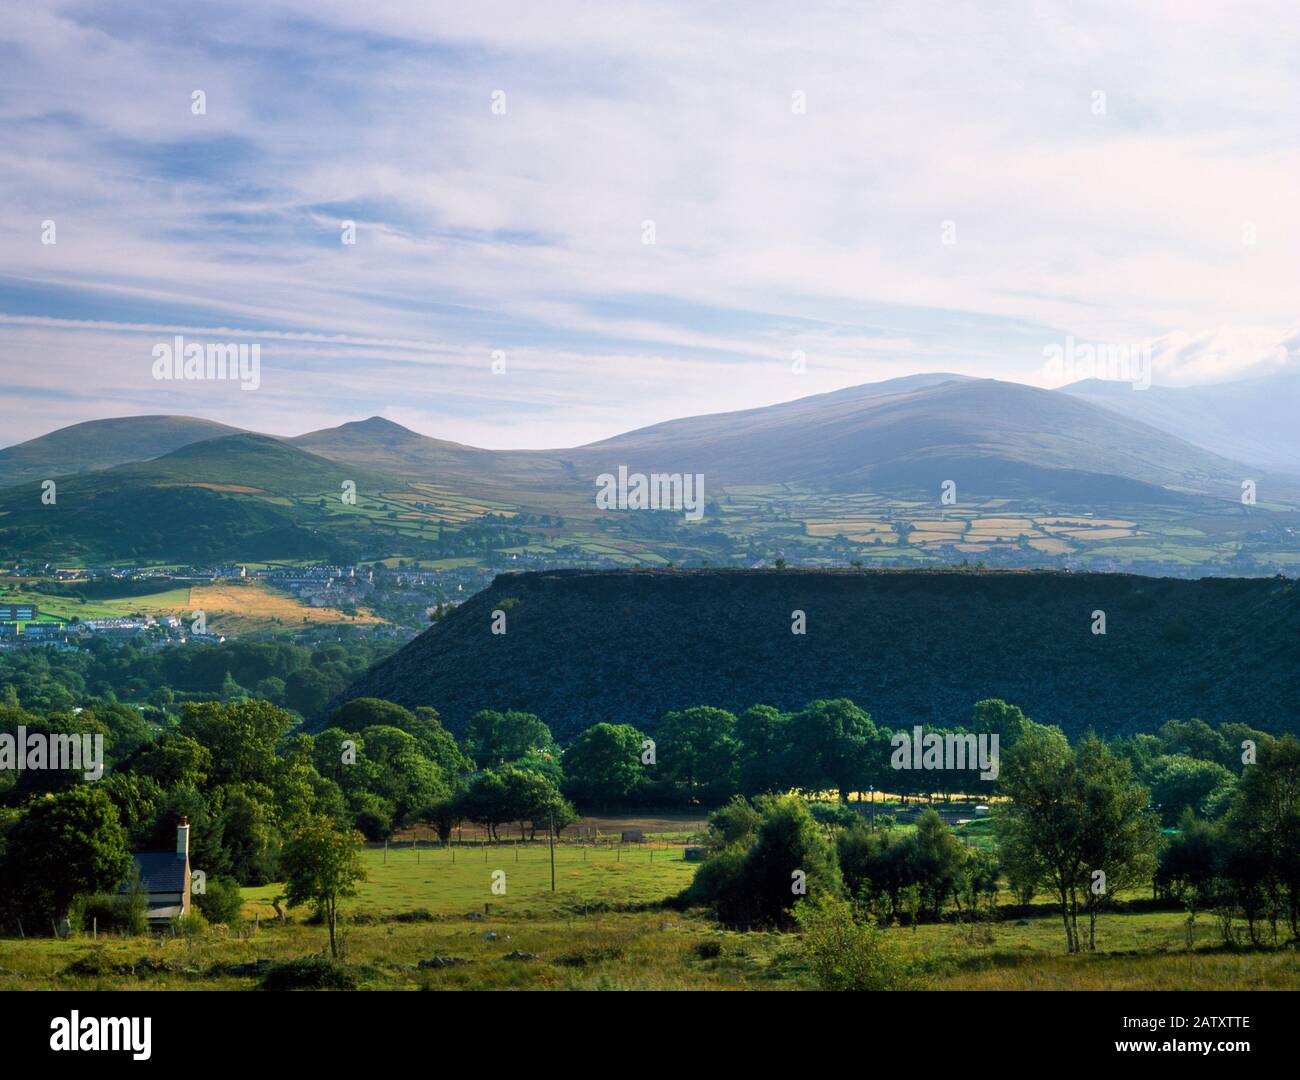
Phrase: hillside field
(230, 608)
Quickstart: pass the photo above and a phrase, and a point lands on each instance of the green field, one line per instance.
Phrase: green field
(603, 929)
(648, 950)
(430, 879)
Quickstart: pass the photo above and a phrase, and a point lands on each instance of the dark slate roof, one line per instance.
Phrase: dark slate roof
(161, 871)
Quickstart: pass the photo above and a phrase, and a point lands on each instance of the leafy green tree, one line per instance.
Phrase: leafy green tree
(309, 690)
(1180, 783)
(529, 797)
(404, 776)
(993, 716)
(173, 759)
(436, 742)
(1072, 813)
(440, 745)
(322, 865)
(1265, 817)
(764, 756)
(603, 766)
(833, 743)
(221, 901)
(485, 802)
(846, 948)
(494, 738)
(1188, 866)
(696, 748)
(66, 845)
(788, 859)
(939, 862)
(732, 824)
(251, 837)
(240, 736)
(1196, 739)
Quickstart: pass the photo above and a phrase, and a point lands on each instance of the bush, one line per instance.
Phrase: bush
(97, 911)
(222, 902)
(755, 886)
(847, 951)
(131, 907)
(840, 815)
(733, 824)
(190, 925)
(309, 973)
(374, 824)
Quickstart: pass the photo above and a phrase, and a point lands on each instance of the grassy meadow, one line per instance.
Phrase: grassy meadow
(602, 929)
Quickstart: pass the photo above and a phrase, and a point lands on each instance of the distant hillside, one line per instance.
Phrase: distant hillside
(858, 473)
(1251, 420)
(101, 444)
(911, 647)
(224, 499)
(988, 436)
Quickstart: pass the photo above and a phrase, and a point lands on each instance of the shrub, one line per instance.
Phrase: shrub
(309, 973)
(222, 902)
(846, 951)
(374, 824)
(131, 908)
(756, 886)
(732, 824)
(708, 950)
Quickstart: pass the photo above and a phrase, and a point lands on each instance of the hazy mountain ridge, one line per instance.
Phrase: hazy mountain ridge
(1251, 420)
(1044, 450)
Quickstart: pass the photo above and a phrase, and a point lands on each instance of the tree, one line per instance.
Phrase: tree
(1179, 783)
(604, 764)
(1073, 812)
(174, 759)
(993, 716)
(240, 736)
(697, 749)
(65, 845)
(1189, 864)
(787, 860)
(939, 861)
(1265, 818)
(847, 949)
(1121, 835)
(833, 741)
(764, 756)
(484, 802)
(494, 738)
(322, 865)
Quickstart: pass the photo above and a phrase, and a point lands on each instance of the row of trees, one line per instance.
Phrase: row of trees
(295, 677)
(1072, 820)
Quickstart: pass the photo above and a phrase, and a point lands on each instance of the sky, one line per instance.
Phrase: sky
(836, 193)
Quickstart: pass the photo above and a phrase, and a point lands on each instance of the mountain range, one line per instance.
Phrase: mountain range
(159, 488)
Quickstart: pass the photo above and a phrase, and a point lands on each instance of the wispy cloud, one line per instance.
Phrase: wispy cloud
(1110, 173)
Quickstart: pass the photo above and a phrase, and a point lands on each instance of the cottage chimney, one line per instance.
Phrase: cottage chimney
(183, 837)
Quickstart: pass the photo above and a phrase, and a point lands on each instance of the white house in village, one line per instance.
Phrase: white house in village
(166, 878)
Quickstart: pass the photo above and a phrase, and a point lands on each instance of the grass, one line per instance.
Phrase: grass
(649, 950)
(601, 929)
(428, 878)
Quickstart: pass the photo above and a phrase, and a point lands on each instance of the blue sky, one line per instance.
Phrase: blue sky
(1109, 174)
